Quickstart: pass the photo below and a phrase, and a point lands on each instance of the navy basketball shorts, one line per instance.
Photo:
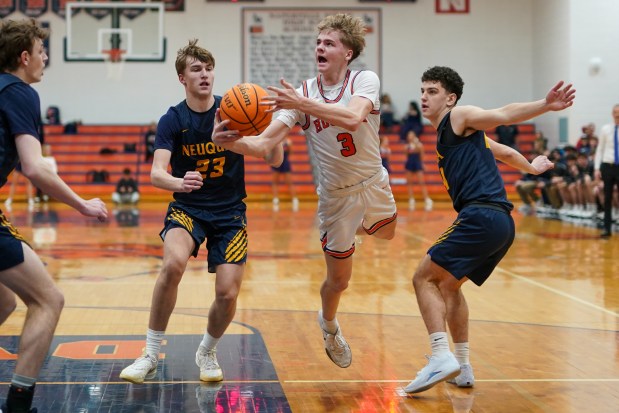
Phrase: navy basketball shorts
(475, 243)
(224, 231)
(11, 249)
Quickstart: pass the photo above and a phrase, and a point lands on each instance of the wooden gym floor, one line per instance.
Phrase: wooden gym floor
(544, 327)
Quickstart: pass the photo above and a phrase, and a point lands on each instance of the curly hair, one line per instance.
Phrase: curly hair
(16, 37)
(447, 77)
(352, 31)
(192, 50)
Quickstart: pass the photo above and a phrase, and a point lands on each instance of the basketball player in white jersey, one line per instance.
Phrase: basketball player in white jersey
(339, 111)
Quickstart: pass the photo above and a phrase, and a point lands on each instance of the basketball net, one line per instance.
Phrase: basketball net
(114, 63)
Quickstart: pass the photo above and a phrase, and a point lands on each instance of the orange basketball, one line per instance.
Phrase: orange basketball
(241, 106)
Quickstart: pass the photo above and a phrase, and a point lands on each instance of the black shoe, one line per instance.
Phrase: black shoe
(4, 409)
(19, 400)
(605, 234)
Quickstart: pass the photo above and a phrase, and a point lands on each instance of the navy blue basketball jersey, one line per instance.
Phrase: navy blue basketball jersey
(187, 134)
(20, 113)
(468, 168)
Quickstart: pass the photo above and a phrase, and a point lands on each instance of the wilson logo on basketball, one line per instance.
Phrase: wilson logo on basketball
(241, 107)
(245, 94)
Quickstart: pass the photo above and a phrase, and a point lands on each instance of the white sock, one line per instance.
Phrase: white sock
(209, 342)
(461, 351)
(439, 343)
(330, 326)
(22, 381)
(153, 342)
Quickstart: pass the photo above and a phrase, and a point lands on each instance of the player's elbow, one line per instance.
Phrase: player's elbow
(35, 171)
(155, 178)
(352, 124)
(274, 160)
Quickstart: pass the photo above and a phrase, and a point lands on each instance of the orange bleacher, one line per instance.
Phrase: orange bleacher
(77, 154)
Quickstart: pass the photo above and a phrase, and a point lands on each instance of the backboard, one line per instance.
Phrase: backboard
(93, 29)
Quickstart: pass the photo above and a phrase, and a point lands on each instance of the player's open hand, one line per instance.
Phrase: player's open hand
(95, 208)
(282, 98)
(191, 181)
(560, 97)
(541, 164)
(221, 135)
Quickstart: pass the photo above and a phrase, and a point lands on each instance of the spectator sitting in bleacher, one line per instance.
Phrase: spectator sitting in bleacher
(563, 184)
(540, 144)
(532, 189)
(126, 189)
(550, 186)
(587, 143)
(584, 186)
(526, 188)
(571, 190)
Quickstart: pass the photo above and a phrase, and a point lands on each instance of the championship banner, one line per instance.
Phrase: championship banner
(132, 13)
(174, 5)
(33, 8)
(59, 7)
(99, 13)
(6, 7)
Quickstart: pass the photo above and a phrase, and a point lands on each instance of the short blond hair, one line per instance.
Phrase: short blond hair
(352, 31)
(192, 50)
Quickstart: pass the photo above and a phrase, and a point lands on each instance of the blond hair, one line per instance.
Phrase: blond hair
(192, 50)
(352, 31)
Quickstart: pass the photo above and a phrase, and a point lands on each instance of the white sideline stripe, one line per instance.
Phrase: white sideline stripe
(476, 381)
(558, 292)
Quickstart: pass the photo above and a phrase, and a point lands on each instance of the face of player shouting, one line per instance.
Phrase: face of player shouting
(332, 56)
(198, 79)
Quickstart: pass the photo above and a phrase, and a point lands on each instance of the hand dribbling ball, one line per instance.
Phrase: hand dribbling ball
(241, 105)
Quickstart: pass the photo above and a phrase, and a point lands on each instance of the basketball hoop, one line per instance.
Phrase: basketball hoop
(114, 62)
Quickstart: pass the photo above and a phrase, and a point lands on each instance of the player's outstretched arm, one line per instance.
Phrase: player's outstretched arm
(41, 174)
(515, 159)
(467, 118)
(349, 117)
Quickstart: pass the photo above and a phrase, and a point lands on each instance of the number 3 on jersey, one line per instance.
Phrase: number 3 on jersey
(348, 144)
(217, 167)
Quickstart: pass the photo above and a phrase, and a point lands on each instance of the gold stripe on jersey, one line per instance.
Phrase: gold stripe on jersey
(4, 222)
(486, 141)
(182, 218)
(237, 248)
(445, 234)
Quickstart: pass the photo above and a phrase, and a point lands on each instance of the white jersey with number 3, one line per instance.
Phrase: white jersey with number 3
(344, 158)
